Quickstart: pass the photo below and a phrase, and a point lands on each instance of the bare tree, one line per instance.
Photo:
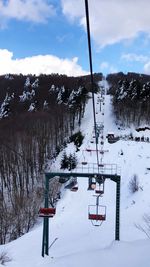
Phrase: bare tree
(4, 258)
(145, 227)
(134, 184)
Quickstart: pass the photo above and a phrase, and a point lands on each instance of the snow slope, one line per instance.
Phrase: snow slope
(77, 242)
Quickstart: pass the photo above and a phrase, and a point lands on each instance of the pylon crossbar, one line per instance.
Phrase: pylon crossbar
(113, 177)
(89, 169)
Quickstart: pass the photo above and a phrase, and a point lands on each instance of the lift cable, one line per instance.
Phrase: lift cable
(91, 74)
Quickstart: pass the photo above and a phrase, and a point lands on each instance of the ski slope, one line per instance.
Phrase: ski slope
(77, 242)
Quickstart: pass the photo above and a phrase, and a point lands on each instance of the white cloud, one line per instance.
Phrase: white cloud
(30, 10)
(104, 65)
(39, 64)
(107, 67)
(73, 9)
(131, 57)
(147, 67)
(111, 21)
(134, 57)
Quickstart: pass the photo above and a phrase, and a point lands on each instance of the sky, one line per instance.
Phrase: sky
(49, 36)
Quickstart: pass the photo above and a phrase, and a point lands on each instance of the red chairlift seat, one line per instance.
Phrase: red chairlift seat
(97, 214)
(97, 217)
(47, 212)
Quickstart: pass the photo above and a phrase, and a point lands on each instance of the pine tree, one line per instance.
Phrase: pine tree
(72, 160)
(64, 162)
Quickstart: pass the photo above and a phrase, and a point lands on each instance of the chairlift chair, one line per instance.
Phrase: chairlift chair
(47, 212)
(89, 150)
(74, 188)
(100, 165)
(71, 183)
(84, 162)
(100, 190)
(97, 214)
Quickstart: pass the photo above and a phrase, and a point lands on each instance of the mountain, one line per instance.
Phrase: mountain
(74, 240)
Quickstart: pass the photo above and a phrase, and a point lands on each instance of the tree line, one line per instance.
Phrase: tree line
(37, 117)
(131, 102)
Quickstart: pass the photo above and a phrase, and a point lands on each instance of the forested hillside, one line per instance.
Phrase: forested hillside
(131, 98)
(37, 117)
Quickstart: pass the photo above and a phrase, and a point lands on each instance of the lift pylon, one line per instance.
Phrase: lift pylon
(99, 215)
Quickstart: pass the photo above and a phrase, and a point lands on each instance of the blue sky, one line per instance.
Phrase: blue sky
(44, 36)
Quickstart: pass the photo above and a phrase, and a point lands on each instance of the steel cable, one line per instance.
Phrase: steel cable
(91, 75)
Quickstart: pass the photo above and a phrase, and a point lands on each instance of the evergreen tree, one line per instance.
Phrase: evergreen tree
(64, 162)
(72, 160)
(77, 138)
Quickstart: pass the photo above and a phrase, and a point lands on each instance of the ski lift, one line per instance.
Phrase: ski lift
(47, 212)
(100, 190)
(74, 185)
(71, 183)
(100, 165)
(84, 162)
(97, 214)
(88, 150)
(74, 188)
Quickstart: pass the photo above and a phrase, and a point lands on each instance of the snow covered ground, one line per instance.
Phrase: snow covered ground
(77, 242)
